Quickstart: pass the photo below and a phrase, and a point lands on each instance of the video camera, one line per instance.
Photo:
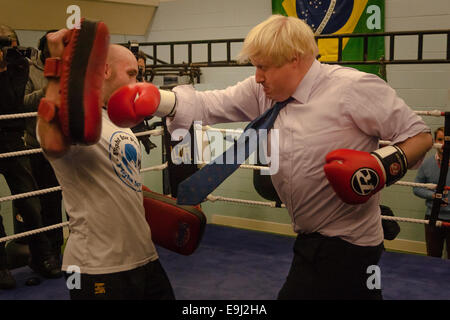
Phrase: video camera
(11, 54)
(134, 48)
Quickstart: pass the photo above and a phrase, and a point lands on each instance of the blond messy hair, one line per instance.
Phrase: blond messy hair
(279, 39)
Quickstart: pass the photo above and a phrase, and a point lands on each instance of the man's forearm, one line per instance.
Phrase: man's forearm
(31, 100)
(416, 147)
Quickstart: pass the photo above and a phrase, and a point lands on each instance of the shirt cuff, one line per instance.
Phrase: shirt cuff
(186, 107)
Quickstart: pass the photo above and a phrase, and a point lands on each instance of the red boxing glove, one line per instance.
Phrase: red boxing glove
(356, 175)
(131, 104)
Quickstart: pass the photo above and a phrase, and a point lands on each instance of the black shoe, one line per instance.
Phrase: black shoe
(7, 281)
(49, 267)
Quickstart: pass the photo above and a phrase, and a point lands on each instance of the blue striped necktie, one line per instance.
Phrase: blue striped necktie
(198, 186)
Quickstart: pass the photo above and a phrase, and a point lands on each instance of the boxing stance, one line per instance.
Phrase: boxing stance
(330, 164)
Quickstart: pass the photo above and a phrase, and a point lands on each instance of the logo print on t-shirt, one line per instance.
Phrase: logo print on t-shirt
(125, 158)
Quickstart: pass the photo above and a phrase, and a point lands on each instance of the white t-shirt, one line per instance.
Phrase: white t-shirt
(102, 193)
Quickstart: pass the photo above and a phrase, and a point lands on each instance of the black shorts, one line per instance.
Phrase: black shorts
(331, 268)
(148, 282)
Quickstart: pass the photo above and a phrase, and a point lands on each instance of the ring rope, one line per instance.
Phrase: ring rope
(58, 188)
(434, 113)
(443, 172)
(213, 198)
(155, 132)
(39, 150)
(30, 194)
(35, 231)
(326, 18)
(20, 153)
(156, 168)
(271, 204)
(430, 186)
(210, 197)
(18, 115)
(240, 131)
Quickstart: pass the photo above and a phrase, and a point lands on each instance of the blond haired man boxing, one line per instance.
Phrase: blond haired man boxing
(330, 164)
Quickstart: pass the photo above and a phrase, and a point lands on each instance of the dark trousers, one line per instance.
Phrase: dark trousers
(149, 282)
(331, 268)
(435, 239)
(16, 171)
(51, 208)
(3, 259)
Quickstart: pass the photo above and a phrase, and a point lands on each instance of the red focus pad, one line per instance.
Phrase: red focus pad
(52, 68)
(174, 227)
(131, 104)
(82, 74)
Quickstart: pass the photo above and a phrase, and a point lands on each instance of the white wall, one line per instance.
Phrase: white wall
(421, 86)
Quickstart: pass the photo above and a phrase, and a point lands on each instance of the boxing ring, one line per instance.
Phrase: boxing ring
(192, 70)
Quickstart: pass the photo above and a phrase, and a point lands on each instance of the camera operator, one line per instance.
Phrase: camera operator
(14, 68)
(51, 207)
(142, 61)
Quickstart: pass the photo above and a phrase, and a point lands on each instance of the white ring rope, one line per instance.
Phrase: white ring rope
(412, 220)
(434, 113)
(240, 131)
(430, 186)
(212, 198)
(326, 18)
(20, 153)
(30, 194)
(155, 132)
(18, 115)
(271, 204)
(156, 168)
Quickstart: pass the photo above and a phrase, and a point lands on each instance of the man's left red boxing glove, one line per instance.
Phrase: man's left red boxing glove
(356, 175)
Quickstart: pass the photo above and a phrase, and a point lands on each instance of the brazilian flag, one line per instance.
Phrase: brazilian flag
(344, 16)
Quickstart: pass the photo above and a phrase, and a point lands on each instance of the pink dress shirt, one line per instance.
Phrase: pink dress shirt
(335, 107)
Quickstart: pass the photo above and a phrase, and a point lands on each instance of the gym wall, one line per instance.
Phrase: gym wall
(423, 87)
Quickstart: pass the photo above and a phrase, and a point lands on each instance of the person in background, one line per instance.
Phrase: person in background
(329, 121)
(14, 68)
(428, 172)
(109, 240)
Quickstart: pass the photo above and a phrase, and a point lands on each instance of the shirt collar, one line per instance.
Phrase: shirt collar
(304, 88)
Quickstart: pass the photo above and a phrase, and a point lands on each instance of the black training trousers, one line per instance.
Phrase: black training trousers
(326, 268)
